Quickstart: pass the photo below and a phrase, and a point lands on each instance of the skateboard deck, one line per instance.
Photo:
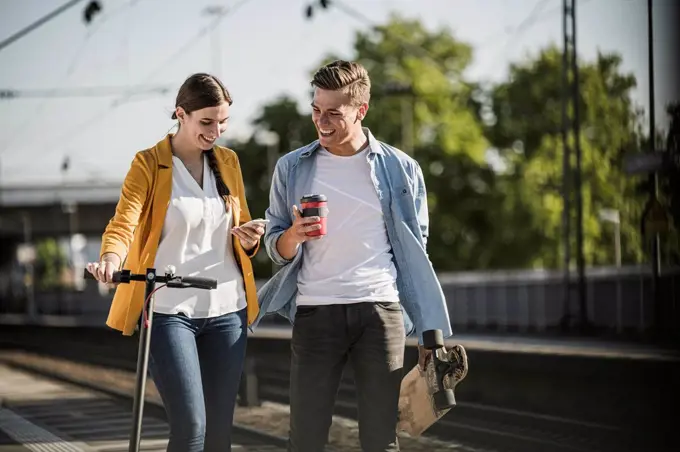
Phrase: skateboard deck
(417, 409)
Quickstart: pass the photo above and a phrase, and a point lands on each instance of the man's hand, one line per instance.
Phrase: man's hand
(288, 243)
(424, 356)
(301, 226)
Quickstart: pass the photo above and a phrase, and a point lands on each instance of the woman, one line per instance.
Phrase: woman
(183, 204)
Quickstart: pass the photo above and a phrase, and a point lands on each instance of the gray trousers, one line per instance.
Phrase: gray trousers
(371, 337)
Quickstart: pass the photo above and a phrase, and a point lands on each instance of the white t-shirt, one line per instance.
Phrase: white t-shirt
(197, 240)
(353, 262)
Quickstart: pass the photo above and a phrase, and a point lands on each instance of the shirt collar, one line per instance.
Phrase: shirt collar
(373, 145)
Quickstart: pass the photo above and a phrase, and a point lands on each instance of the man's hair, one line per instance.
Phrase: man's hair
(349, 77)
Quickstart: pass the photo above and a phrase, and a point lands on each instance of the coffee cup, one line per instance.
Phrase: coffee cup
(315, 206)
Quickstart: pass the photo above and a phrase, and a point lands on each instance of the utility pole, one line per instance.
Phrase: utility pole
(653, 178)
(570, 79)
(655, 219)
(215, 47)
(580, 258)
(566, 170)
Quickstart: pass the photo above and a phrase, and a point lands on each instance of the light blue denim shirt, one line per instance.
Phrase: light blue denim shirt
(399, 183)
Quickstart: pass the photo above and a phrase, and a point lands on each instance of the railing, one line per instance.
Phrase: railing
(619, 300)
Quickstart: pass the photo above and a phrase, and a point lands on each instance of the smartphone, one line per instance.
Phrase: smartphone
(257, 221)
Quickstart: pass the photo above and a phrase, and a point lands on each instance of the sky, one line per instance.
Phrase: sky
(266, 48)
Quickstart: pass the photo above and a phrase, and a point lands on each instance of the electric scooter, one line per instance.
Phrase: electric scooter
(152, 279)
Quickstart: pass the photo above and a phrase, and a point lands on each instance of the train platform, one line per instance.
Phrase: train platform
(42, 415)
(9, 444)
(512, 343)
(525, 344)
(539, 393)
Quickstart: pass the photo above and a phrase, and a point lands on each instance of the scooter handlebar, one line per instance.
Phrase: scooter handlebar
(193, 281)
(178, 282)
(90, 276)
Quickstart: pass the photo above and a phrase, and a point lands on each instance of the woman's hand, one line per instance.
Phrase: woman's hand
(248, 234)
(103, 271)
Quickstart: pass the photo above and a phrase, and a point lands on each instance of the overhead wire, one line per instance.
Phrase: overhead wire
(67, 137)
(77, 56)
(535, 16)
(90, 91)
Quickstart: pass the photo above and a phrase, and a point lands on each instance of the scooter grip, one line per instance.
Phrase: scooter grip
(200, 283)
(90, 276)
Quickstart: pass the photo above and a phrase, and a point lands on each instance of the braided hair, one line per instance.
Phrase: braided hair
(222, 188)
(202, 91)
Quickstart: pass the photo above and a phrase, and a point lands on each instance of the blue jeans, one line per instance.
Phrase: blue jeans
(196, 365)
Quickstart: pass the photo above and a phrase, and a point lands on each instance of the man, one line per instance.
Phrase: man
(344, 292)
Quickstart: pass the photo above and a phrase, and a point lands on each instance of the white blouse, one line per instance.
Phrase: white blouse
(197, 240)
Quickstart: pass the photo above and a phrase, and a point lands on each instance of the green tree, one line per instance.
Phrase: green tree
(446, 138)
(418, 88)
(481, 217)
(50, 264)
(526, 131)
(421, 103)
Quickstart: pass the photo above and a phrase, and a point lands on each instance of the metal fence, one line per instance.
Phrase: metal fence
(619, 300)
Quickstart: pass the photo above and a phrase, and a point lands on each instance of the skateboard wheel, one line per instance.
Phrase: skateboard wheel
(444, 399)
(433, 339)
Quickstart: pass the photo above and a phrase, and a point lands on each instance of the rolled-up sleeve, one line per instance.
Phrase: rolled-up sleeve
(420, 194)
(279, 213)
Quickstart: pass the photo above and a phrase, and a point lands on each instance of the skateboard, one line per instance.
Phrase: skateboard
(428, 394)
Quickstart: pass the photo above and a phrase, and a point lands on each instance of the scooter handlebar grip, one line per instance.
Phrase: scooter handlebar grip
(90, 276)
(200, 283)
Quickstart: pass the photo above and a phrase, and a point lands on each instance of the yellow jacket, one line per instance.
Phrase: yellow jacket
(134, 231)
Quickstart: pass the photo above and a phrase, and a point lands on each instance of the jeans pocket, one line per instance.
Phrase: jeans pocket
(390, 306)
(305, 311)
